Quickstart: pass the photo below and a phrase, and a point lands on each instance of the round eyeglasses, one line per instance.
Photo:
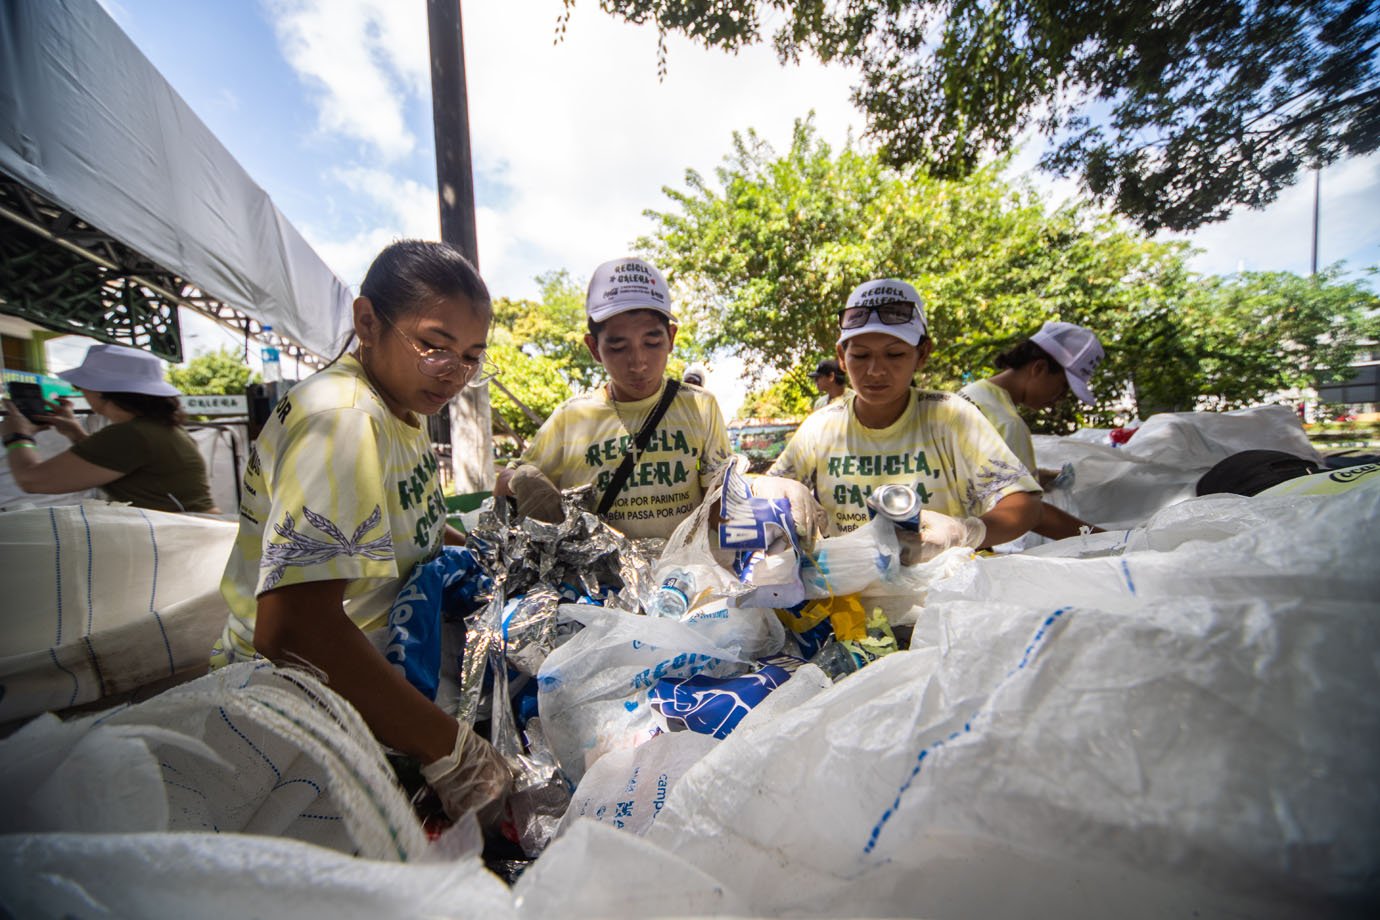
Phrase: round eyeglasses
(442, 362)
(890, 314)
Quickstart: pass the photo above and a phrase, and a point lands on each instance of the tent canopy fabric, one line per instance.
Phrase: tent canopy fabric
(87, 121)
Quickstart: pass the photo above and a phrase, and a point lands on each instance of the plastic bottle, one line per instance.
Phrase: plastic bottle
(273, 368)
(672, 597)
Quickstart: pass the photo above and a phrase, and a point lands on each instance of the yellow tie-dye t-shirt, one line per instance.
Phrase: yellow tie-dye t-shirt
(941, 446)
(335, 487)
(1000, 409)
(585, 439)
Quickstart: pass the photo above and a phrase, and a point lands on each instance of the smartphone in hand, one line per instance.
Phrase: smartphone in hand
(29, 398)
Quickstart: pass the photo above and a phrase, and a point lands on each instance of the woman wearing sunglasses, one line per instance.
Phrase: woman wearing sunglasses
(973, 490)
(342, 499)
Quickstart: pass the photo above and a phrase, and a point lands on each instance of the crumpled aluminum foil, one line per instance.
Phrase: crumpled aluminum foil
(534, 564)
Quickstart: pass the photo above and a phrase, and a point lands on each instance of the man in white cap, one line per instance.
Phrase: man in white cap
(1036, 373)
(644, 486)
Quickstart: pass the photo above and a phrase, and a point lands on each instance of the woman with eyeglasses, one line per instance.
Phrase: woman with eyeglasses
(342, 500)
(973, 491)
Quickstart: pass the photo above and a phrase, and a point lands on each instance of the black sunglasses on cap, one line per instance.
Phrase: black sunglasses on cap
(890, 314)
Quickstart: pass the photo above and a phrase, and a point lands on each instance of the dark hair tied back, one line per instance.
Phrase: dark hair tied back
(164, 409)
(1022, 354)
(408, 273)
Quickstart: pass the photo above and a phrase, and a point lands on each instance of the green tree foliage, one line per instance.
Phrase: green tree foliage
(215, 373)
(553, 327)
(1171, 112)
(766, 257)
(790, 397)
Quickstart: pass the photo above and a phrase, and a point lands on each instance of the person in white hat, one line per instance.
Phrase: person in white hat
(592, 438)
(1036, 373)
(973, 491)
(695, 375)
(143, 457)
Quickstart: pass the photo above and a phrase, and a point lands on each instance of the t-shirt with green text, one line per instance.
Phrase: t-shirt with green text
(941, 446)
(585, 439)
(335, 487)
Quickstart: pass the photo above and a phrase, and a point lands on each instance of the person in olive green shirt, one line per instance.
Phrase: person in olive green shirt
(143, 457)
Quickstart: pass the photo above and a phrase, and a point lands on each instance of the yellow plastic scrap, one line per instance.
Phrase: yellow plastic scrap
(876, 640)
(845, 612)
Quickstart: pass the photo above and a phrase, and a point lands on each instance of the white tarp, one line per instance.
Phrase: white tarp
(87, 121)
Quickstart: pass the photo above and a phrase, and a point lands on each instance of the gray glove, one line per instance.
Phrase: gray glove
(537, 496)
(470, 777)
(939, 532)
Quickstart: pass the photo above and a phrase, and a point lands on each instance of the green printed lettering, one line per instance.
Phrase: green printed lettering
(921, 491)
(680, 443)
(663, 473)
(592, 455)
(682, 474)
(921, 466)
(891, 465)
(404, 496)
(865, 466)
(834, 467)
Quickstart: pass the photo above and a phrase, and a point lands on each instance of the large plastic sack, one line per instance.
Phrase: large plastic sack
(1143, 755)
(627, 789)
(592, 691)
(104, 598)
(596, 871)
(231, 876)
(249, 748)
(1161, 464)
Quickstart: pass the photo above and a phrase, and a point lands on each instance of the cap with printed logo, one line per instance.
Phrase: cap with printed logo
(1076, 349)
(887, 292)
(626, 284)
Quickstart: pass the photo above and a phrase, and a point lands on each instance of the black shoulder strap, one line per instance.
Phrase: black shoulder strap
(640, 442)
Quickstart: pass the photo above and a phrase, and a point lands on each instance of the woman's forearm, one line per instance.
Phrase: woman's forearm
(1012, 517)
(302, 624)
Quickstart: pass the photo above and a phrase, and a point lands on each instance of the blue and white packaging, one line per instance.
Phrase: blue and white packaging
(713, 705)
(449, 586)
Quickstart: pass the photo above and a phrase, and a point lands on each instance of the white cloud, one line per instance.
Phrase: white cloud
(583, 136)
(400, 208)
(363, 58)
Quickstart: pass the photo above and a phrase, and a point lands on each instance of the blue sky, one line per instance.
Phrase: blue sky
(326, 103)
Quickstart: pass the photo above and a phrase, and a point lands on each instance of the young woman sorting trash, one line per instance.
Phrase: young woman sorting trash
(341, 500)
(1037, 373)
(972, 489)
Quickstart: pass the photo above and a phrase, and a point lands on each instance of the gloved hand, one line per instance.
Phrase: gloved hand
(939, 532)
(537, 496)
(470, 777)
(810, 521)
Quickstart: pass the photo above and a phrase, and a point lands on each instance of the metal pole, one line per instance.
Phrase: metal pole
(1317, 191)
(451, 115)
(471, 421)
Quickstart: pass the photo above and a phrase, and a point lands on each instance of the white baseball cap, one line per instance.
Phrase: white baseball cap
(1076, 349)
(626, 284)
(886, 292)
(117, 369)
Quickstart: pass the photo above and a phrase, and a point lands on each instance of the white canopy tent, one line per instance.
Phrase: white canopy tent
(87, 122)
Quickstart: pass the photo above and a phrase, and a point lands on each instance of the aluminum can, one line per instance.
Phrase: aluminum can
(900, 503)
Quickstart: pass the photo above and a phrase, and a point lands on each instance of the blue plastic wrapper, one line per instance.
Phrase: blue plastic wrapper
(713, 705)
(448, 587)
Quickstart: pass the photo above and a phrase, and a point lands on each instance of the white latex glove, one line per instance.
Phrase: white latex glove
(537, 496)
(469, 777)
(939, 532)
(809, 518)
